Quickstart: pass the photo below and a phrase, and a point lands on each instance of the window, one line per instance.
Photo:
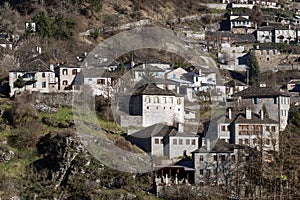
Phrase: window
(171, 99)
(74, 72)
(43, 84)
(147, 107)
(193, 142)
(201, 158)
(43, 75)
(222, 157)
(65, 72)
(175, 141)
(215, 158)
(156, 100)
(161, 141)
(281, 112)
(223, 128)
(275, 100)
(174, 75)
(178, 101)
(254, 141)
(147, 99)
(208, 172)
(273, 128)
(156, 141)
(255, 100)
(34, 85)
(268, 59)
(100, 81)
(215, 171)
(187, 141)
(233, 158)
(164, 99)
(180, 141)
(240, 141)
(65, 83)
(246, 141)
(201, 171)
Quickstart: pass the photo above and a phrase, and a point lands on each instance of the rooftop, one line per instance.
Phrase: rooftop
(260, 92)
(152, 89)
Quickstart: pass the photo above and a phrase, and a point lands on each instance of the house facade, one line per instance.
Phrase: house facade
(264, 34)
(275, 102)
(37, 77)
(67, 76)
(267, 58)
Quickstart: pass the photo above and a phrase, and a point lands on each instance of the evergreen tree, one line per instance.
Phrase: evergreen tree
(253, 67)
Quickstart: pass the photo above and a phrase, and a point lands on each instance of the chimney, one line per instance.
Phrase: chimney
(248, 113)
(262, 114)
(180, 127)
(52, 67)
(144, 66)
(229, 113)
(257, 46)
(208, 144)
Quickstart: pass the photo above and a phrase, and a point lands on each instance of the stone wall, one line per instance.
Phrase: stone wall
(54, 99)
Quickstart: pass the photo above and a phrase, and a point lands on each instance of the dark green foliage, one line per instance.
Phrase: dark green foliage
(253, 67)
(58, 27)
(19, 83)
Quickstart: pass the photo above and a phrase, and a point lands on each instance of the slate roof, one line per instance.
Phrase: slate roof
(148, 67)
(240, 118)
(260, 92)
(245, 38)
(34, 66)
(235, 82)
(219, 146)
(97, 72)
(152, 89)
(5, 41)
(154, 130)
(240, 18)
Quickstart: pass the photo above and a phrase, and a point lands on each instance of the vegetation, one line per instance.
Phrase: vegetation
(253, 67)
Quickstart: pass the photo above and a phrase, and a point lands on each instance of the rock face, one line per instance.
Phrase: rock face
(5, 154)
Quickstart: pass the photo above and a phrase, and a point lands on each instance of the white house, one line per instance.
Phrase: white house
(264, 34)
(67, 76)
(36, 75)
(139, 71)
(285, 35)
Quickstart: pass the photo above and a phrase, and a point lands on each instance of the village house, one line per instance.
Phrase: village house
(233, 87)
(241, 24)
(293, 85)
(245, 128)
(267, 58)
(164, 141)
(265, 34)
(67, 76)
(217, 162)
(36, 76)
(149, 105)
(285, 35)
(139, 71)
(5, 42)
(276, 103)
(175, 73)
(101, 81)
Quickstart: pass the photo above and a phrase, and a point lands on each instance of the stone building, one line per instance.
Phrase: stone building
(276, 103)
(241, 24)
(265, 34)
(218, 162)
(267, 58)
(37, 76)
(67, 76)
(150, 104)
(245, 128)
(161, 140)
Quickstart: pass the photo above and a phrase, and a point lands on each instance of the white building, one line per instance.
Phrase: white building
(36, 75)
(67, 76)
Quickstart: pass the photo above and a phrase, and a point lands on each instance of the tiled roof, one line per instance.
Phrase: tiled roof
(152, 89)
(260, 92)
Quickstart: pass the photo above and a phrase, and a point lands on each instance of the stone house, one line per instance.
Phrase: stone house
(234, 86)
(217, 162)
(245, 128)
(285, 35)
(160, 140)
(67, 76)
(265, 34)
(101, 81)
(175, 74)
(241, 24)
(37, 76)
(139, 70)
(5, 43)
(275, 102)
(150, 105)
(267, 58)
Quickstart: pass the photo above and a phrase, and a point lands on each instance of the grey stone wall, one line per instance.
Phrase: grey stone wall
(54, 99)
